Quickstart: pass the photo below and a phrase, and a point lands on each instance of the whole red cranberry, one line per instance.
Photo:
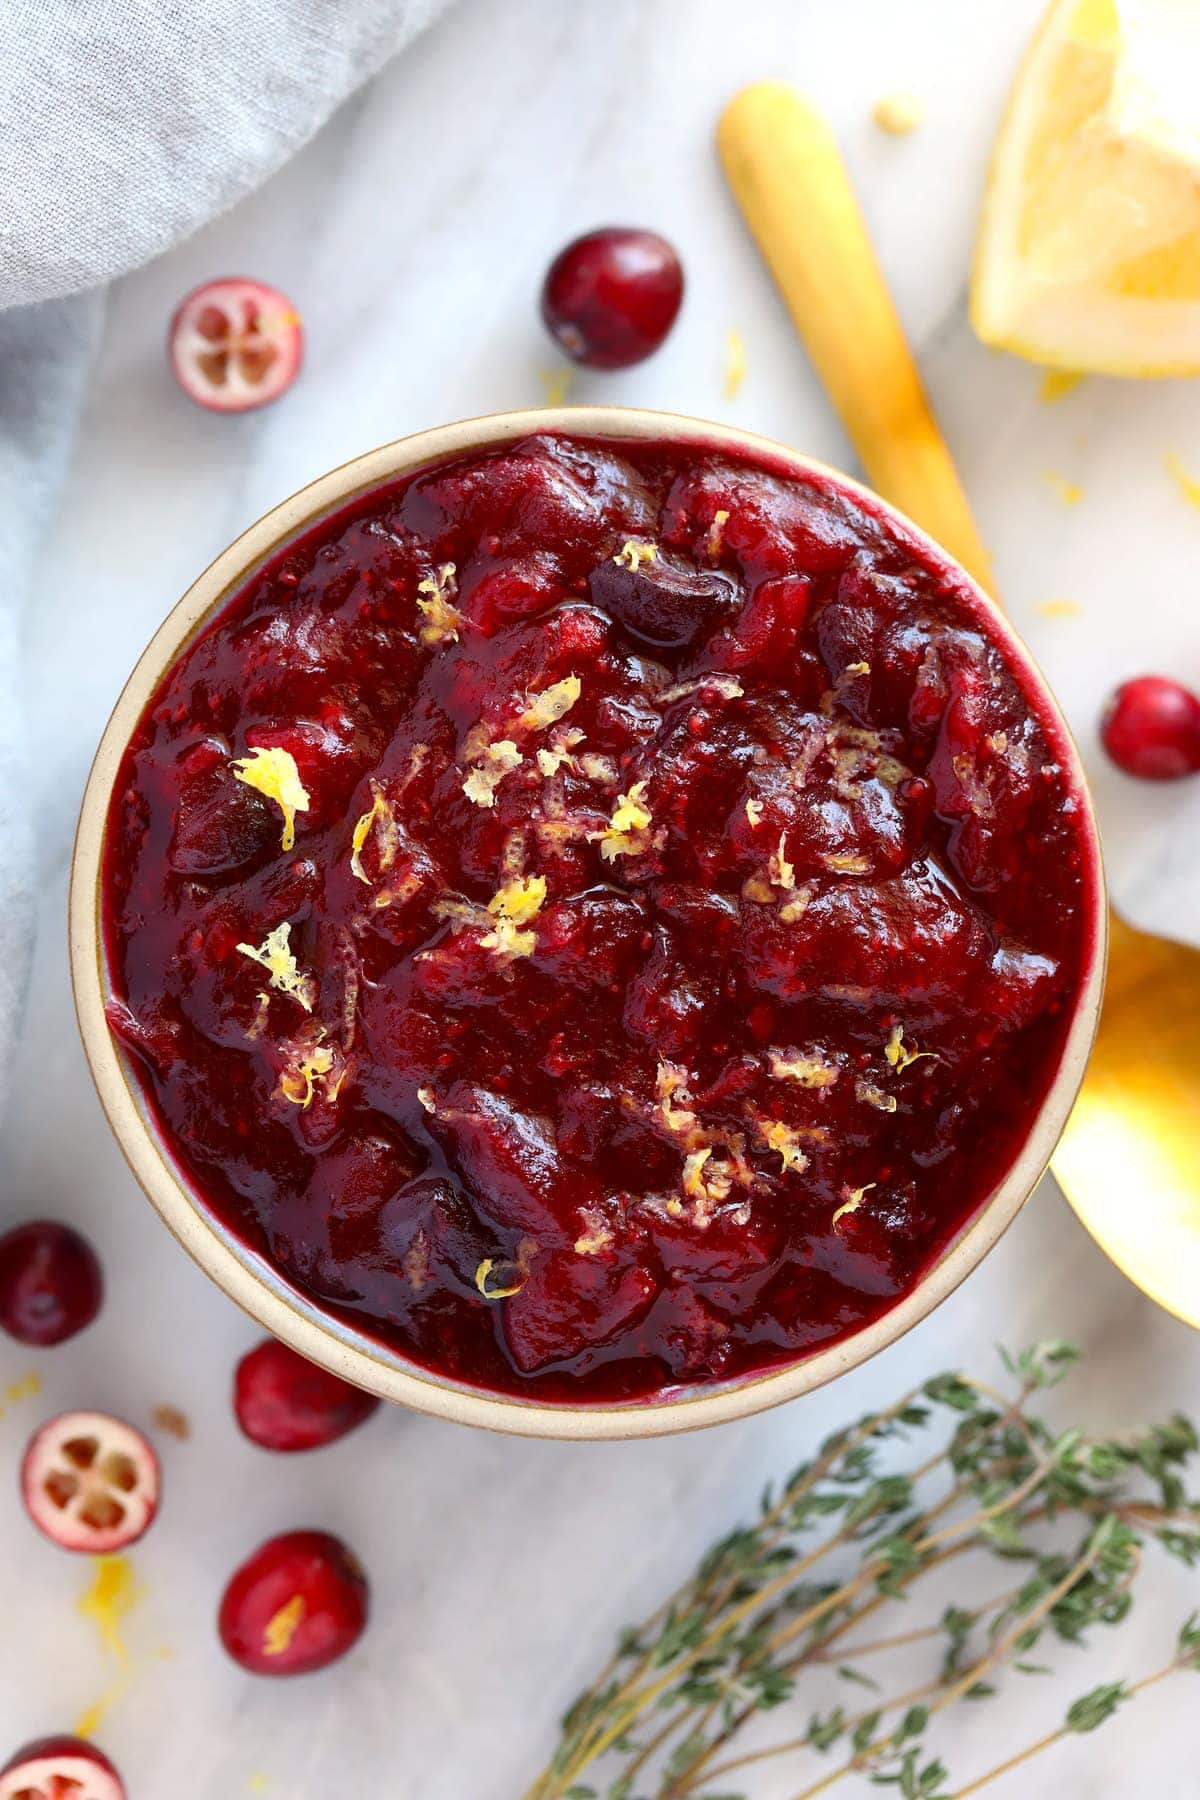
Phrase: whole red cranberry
(1151, 728)
(296, 1605)
(284, 1402)
(50, 1283)
(611, 297)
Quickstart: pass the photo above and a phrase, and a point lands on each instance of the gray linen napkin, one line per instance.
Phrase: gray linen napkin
(124, 125)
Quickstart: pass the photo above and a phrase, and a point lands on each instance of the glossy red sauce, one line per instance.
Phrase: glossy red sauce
(655, 1123)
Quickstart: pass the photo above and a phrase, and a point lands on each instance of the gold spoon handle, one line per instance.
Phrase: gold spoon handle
(789, 180)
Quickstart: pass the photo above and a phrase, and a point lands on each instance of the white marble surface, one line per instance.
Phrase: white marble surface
(413, 235)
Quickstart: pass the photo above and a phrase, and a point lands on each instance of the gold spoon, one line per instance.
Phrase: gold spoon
(1129, 1159)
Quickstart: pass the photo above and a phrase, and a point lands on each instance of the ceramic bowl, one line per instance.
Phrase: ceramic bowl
(250, 1280)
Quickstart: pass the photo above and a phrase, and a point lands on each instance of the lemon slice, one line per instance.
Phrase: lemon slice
(1089, 245)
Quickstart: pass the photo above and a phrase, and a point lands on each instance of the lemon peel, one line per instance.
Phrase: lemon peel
(273, 774)
(276, 956)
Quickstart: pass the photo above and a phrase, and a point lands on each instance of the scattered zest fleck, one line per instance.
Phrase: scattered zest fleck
(754, 812)
(308, 1062)
(1069, 492)
(702, 1187)
(785, 1139)
(1057, 383)
(275, 955)
(499, 760)
(273, 774)
(809, 1071)
(1059, 609)
(512, 906)
(854, 1199)
(499, 1279)
(626, 833)
(901, 1055)
(846, 862)
(435, 597)
(898, 114)
(716, 532)
(870, 1095)
(779, 869)
(632, 555)
(426, 1097)
(283, 1626)
(672, 1081)
(551, 705)
(597, 1237)
(735, 363)
(380, 809)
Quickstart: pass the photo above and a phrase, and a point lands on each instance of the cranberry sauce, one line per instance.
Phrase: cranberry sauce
(597, 917)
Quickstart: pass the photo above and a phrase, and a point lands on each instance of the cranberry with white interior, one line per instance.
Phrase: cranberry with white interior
(90, 1482)
(235, 344)
(60, 1768)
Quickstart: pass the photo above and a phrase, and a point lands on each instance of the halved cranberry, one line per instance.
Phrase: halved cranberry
(284, 1402)
(60, 1768)
(296, 1605)
(611, 297)
(90, 1482)
(234, 344)
(50, 1283)
(1151, 728)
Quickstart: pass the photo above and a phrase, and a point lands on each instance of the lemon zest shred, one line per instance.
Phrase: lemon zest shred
(435, 602)
(273, 774)
(1058, 383)
(754, 812)
(1059, 609)
(499, 760)
(735, 362)
(898, 114)
(784, 1139)
(899, 1054)
(870, 1095)
(551, 705)
(380, 809)
(780, 871)
(276, 956)
(298, 1081)
(632, 555)
(518, 1267)
(514, 905)
(283, 1625)
(1069, 492)
(625, 833)
(854, 1199)
(808, 1071)
(716, 532)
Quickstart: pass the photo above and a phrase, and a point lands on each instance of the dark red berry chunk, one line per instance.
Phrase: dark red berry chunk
(610, 298)
(51, 1285)
(1151, 728)
(298, 1604)
(60, 1768)
(90, 1482)
(284, 1402)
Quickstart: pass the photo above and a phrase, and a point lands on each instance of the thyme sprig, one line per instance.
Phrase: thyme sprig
(868, 1524)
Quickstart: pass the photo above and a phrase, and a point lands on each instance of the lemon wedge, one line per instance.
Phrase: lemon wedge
(1089, 245)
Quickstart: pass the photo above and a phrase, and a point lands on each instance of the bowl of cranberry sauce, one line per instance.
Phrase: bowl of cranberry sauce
(587, 923)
